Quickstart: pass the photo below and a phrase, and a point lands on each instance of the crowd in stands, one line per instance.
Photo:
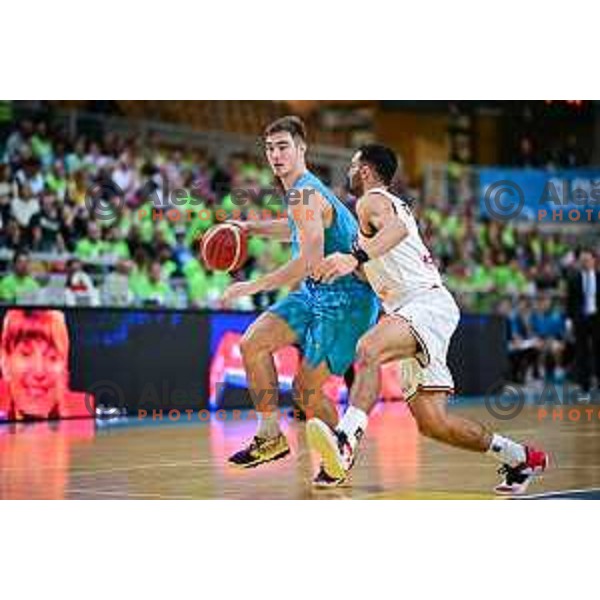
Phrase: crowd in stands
(57, 247)
(518, 273)
(128, 217)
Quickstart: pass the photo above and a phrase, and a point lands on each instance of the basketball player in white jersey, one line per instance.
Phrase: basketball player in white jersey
(420, 319)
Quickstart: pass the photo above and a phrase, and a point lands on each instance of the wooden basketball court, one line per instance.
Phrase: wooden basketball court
(146, 459)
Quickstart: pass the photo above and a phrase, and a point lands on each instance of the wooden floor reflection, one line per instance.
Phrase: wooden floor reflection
(153, 460)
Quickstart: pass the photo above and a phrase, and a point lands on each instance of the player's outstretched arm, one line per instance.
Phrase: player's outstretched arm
(309, 220)
(287, 275)
(278, 229)
(308, 217)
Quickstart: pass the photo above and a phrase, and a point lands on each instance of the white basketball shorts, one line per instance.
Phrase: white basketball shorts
(433, 316)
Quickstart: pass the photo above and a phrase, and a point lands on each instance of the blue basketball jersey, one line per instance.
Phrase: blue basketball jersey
(328, 319)
(342, 231)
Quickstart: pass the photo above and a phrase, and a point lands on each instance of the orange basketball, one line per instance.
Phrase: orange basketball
(224, 247)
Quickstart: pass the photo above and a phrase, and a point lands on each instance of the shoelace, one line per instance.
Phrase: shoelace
(504, 470)
(343, 443)
(256, 443)
(513, 474)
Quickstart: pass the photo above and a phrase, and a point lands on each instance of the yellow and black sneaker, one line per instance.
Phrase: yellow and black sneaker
(261, 450)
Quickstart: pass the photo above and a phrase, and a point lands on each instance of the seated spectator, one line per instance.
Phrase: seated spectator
(70, 226)
(6, 191)
(124, 177)
(182, 253)
(95, 159)
(77, 187)
(30, 174)
(80, 289)
(522, 344)
(152, 289)
(139, 269)
(24, 206)
(546, 276)
(197, 282)
(168, 266)
(11, 236)
(116, 290)
(162, 241)
(92, 246)
(18, 141)
(115, 245)
(482, 279)
(519, 283)
(15, 287)
(56, 180)
(548, 325)
(501, 273)
(46, 227)
(135, 241)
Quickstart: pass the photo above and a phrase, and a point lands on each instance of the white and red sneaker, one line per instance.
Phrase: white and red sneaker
(517, 479)
(336, 453)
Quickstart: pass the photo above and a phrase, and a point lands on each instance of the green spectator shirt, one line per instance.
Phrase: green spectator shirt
(13, 287)
(119, 249)
(160, 292)
(89, 249)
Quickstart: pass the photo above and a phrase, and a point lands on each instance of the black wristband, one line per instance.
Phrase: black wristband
(359, 254)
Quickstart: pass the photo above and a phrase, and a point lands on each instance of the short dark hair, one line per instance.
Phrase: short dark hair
(291, 123)
(584, 250)
(382, 159)
(73, 261)
(18, 254)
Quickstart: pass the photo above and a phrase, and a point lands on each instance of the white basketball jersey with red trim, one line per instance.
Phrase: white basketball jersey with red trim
(407, 269)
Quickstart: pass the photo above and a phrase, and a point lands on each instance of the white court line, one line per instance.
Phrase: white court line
(190, 463)
(193, 462)
(557, 493)
(132, 496)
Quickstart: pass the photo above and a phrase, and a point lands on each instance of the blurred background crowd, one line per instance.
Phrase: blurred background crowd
(165, 167)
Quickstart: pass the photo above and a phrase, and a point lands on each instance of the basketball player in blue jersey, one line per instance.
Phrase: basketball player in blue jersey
(324, 320)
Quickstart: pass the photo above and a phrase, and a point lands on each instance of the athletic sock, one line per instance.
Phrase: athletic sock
(507, 451)
(353, 424)
(268, 424)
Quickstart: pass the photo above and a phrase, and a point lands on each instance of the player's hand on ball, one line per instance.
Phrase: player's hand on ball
(335, 266)
(243, 225)
(239, 290)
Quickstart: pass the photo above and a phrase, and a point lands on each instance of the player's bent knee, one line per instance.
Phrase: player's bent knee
(258, 339)
(246, 344)
(252, 343)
